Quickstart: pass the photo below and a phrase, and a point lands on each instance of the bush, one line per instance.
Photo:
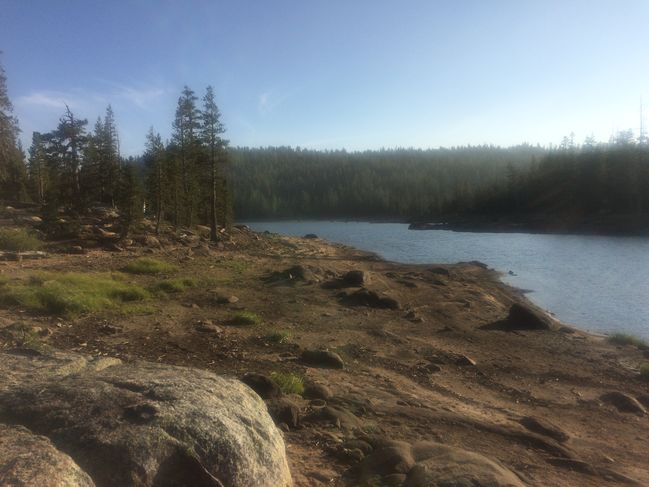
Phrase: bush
(18, 240)
(246, 318)
(288, 383)
(644, 371)
(171, 286)
(71, 293)
(626, 339)
(146, 265)
(279, 336)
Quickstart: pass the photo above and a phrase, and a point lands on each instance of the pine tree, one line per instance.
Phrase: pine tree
(154, 160)
(215, 146)
(12, 160)
(185, 138)
(37, 168)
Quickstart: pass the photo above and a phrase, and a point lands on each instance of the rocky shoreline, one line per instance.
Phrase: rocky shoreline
(413, 375)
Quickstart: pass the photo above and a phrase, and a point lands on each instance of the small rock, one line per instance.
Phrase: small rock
(322, 358)
(317, 391)
(440, 271)
(544, 428)
(623, 402)
(208, 327)
(263, 385)
(355, 278)
(311, 236)
(463, 360)
(283, 410)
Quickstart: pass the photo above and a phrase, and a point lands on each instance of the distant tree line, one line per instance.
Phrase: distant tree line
(182, 181)
(282, 182)
(571, 182)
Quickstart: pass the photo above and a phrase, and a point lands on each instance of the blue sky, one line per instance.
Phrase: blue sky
(335, 73)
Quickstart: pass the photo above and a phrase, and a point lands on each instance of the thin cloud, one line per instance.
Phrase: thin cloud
(45, 99)
(267, 102)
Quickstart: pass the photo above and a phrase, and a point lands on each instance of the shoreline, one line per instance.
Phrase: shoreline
(423, 352)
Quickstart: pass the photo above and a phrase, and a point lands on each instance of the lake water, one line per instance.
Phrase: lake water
(596, 283)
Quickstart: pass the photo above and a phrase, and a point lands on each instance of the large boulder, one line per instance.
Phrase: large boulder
(430, 464)
(145, 424)
(29, 459)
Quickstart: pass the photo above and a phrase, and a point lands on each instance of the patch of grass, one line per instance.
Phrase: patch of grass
(279, 336)
(237, 266)
(644, 371)
(246, 318)
(288, 383)
(626, 339)
(147, 265)
(18, 240)
(171, 286)
(71, 293)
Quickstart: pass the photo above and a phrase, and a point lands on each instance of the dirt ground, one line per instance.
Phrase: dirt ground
(422, 368)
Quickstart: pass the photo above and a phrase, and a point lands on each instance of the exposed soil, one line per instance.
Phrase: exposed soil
(425, 367)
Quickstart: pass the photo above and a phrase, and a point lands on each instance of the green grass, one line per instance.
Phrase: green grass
(644, 371)
(626, 339)
(18, 240)
(146, 265)
(288, 383)
(71, 293)
(246, 318)
(279, 336)
(171, 286)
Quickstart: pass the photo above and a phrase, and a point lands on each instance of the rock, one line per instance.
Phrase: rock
(355, 278)
(145, 424)
(292, 275)
(263, 385)
(310, 236)
(644, 400)
(322, 358)
(544, 428)
(463, 360)
(220, 299)
(645, 353)
(361, 445)
(521, 317)
(425, 464)
(317, 391)
(208, 327)
(76, 249)
(371, 299)
(339, 417)
(27, 459)
(425, 226)
(283, 410)
(623, 402)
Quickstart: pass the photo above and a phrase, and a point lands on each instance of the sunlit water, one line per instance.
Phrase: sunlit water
(595, 283)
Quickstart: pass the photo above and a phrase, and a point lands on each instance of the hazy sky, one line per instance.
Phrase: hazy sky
(335, 73)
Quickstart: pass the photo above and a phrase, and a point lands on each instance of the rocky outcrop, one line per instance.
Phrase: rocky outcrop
(427, 463)
(144, 424)
(28, 459)
(522, 317)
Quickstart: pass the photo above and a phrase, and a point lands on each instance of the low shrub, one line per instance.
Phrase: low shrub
(279, 336)
(246, 318)
(288, 383)
(70, 293)
(626, 339)
(172, 286)
(147, 265)
(18, 240)
(644, 371)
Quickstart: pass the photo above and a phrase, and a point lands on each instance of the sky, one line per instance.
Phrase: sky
(332, 74)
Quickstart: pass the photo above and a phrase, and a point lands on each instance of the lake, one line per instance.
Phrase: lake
(595, 283)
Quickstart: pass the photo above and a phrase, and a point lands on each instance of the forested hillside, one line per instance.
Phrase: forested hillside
(606, 185)
(284, 182)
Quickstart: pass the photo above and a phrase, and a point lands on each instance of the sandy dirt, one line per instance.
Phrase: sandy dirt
(425, 371)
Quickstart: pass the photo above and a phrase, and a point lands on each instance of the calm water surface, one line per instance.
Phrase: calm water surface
(596, 283)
